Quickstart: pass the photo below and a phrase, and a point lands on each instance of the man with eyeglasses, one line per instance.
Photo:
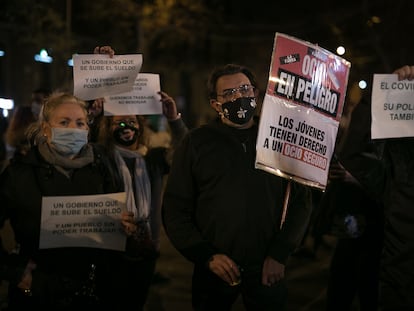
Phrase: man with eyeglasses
(224, 215)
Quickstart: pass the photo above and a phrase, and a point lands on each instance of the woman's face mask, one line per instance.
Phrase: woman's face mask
(240, 110)
(68, 141)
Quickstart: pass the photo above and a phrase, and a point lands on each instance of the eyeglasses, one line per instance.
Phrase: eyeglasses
(244, 90)
(124, 123)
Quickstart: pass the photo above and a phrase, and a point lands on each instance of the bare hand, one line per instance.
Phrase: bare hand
(106, 49)
(169, 108)
(25, 283)
(273, 271)
(225, 268)
(95, 109)
(406, 72)
(128, 223)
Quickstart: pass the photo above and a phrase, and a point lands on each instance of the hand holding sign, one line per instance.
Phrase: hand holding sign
(405, 72)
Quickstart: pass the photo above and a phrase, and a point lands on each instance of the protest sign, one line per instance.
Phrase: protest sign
(301, 111)
(83, 221)
(141, 100)
(392, 107)
(98, 75)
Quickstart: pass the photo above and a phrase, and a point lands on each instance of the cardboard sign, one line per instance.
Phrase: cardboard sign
(301, 111)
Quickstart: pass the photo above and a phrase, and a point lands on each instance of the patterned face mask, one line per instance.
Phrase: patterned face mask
(120, 134)
(239, 111)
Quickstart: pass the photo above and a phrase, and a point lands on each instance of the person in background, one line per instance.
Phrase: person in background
(38, 98)
(143, 170)
(4, 124)
(60, 163)
(386, 171)
(224, 215)
(347, 212)
(22, 118)
(16, 138)
(95, 114)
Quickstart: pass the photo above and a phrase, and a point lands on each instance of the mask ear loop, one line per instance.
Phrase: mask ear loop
(219, 113)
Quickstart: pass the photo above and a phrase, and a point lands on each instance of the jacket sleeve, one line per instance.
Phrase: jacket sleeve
(11, 265)
(362, 156)
(298, 214)
(179, 202)
(178, 132)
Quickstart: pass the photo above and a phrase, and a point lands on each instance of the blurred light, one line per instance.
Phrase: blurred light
(70, 62)
(340, 50)
(362, 84)
(2, 53)
(6, 103)
(376, 19)
(5, 113)
(43, 57)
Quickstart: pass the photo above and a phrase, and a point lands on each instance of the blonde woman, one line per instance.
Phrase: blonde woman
(61, 162)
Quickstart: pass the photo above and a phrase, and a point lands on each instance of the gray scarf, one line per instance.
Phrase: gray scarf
(138, 199)
(63, 164)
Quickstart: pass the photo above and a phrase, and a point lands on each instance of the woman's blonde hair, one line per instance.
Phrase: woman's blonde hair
(50, 104)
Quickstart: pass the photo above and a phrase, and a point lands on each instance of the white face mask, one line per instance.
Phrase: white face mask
(68, 141)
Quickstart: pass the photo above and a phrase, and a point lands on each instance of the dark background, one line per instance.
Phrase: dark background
(183, 39)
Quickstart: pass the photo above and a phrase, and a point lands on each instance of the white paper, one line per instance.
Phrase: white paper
(83, 221)
(392, 107)
(98, 75)
(143, 99)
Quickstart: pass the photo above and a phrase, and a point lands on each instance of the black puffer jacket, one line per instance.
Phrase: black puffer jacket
(217, 202)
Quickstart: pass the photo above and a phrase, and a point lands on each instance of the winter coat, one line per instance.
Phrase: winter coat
(216, 201)
(22, 185)
(386, 169)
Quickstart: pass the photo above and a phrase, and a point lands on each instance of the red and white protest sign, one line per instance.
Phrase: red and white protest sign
(301, 111)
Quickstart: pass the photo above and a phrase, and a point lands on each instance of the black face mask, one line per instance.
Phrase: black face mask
(119, 131)
(239, 111)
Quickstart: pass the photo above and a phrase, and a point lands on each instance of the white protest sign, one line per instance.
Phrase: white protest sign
(301, 111)
(392, 107)
(98, 75)
(83, 221)
(143, 99)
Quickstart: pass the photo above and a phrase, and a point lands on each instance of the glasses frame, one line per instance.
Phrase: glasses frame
(245, 90)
